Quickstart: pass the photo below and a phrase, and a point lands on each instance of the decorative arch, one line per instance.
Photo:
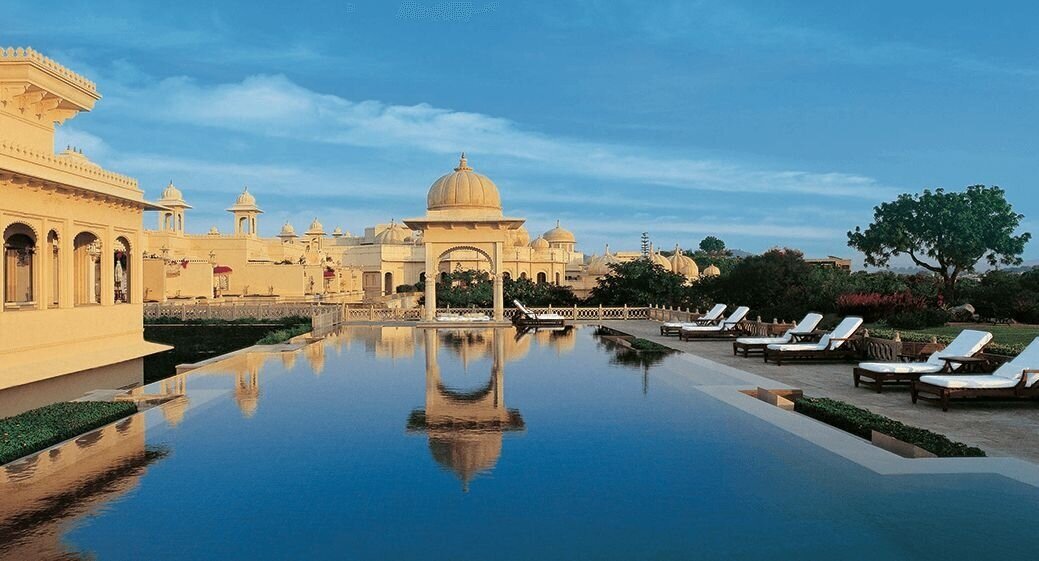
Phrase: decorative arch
(122, 272)
(87, 252)
(388, 283)
(19, 263)
(542, 277)
(482, 252)
(52, 257)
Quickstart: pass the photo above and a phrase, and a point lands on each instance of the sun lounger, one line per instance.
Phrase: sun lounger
(836, 345)
(729, 327)
(526, 316)
(712, 317)
(796, 334)
(1016, 379)
(967, 344)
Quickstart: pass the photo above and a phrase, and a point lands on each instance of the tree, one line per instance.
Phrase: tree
(468, 288)
(712, 246)
(645, 244)
(945, 233)
(640, 283)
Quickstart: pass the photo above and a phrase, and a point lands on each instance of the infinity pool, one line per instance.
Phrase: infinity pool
(393, 443)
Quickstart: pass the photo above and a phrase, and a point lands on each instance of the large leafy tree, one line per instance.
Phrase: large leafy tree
(640, 283)
(947, 233)
(777, 284)
(469, 288)
(712, 246)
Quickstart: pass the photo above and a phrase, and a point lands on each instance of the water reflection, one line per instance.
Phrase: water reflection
(465, 428)
(624, 355)
(44, 495)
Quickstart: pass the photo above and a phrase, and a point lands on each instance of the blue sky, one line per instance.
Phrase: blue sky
(769, 123)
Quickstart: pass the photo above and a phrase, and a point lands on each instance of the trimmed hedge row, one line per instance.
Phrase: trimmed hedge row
(39, 428)
(640, 344)
(174, 320)
(916, 337)
(282, 335)
(861, 422)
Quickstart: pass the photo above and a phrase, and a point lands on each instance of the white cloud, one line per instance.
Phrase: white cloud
(274, 106)
(92, 146)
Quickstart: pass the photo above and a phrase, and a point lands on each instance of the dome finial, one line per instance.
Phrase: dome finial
(463, 164)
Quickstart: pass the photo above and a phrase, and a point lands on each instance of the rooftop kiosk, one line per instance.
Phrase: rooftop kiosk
(464, 213)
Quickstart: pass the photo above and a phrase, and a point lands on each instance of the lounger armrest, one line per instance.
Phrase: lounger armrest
(1024, 376)
(707, 322)
(833, 340)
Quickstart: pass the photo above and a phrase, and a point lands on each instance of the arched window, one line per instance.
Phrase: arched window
(523, 275)
(167, 221)
(422, 276)
(121, 271)
(506, 276)
(557, 280)
(388, 284)
(180, 222)
(19, 264)
(243, 224)
(87, 269)
(54, 247)
(542, 278)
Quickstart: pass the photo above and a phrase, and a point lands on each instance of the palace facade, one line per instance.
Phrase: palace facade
(71, 319)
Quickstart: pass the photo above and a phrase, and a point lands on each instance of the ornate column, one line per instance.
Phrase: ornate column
(499, 283)
(430, 312)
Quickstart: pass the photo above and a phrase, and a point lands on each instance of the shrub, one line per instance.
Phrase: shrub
(39, 428)
(919, 319)
(282, 335)
(405, 288)
(640, 344)
(861, 422)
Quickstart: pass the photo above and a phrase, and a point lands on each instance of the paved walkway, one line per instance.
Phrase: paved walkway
(999, 428)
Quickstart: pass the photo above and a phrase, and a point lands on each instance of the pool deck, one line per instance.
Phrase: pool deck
(1007, 428)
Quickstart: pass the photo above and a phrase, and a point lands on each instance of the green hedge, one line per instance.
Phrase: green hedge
(282, 335)
(37, 429)
(646, 345)
(923, 337)
(174, 320)
(861, 422)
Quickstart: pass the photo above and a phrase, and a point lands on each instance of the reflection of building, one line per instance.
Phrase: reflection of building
(44, 495)
(465, 428)
(71, 317)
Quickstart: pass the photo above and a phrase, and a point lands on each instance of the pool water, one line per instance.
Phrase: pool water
(398, 443)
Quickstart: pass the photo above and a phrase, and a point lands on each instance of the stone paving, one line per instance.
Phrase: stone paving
(1000, 428)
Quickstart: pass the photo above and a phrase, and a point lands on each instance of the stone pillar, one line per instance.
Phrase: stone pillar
(430, 310)
(499, 284)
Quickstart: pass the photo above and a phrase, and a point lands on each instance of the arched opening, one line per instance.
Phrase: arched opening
(542, 278)
(87, 269)
(54, 265)
(19, 264)
(422, 276)
(243, 224)
(557, 280)
(121, 271)
(388, 284)
(180, 222)
(506, 276)
(167, 221)
(523, 275)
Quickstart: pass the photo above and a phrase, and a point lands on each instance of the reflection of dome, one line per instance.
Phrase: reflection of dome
(394, 234)
(684, 265)
(466, 453)
(559, 235)
(287, 231)
(600, 266)
(539, 243)
(464, 190)
(711, 271)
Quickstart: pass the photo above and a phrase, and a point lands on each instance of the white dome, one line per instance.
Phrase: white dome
(464, 189)
(316, 228)
(539, 243)
(684, 265)
(559, 235)
(287, 231)
(711, 271)
(395, 234)
(600, 265)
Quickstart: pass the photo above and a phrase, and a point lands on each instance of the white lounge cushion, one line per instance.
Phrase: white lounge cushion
(845, 329)
(901, 367)
(702, 328)
(764, 340)
(973, 381)
(714, 313)
(820, 346)
(547, 316)
(730, 322)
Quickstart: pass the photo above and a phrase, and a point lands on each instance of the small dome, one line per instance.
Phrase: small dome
(464, 189)
(172, 197)
(711, 271)
(245, 202)
(287, 231)
(539, 243)
(657, 258)
(213, 231)
(600, 266)
(684, 265)
(316, 228)
(519, 237)
(559, 235)
(337, 233)
(394, 234)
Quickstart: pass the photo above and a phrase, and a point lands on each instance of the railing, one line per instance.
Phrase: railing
(235, 311)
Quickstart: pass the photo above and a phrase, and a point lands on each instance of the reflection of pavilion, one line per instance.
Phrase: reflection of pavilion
(43, 495)
(465, 428)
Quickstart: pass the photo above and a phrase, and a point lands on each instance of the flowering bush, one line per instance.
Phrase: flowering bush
(873, 306)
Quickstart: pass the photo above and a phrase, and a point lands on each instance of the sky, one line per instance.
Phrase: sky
(766, 124)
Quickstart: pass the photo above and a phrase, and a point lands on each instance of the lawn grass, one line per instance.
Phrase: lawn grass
(39, 428)
(1009, 336)
(282, 335)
